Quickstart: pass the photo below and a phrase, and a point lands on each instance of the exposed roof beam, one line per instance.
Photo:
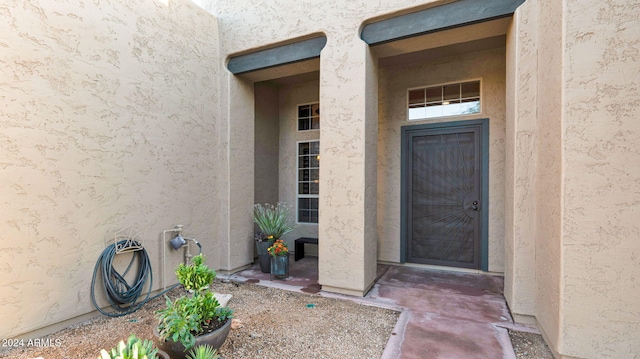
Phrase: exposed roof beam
(276, 56)
(438, 18)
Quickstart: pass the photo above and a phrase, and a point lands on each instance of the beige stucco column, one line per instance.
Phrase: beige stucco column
(572, 253)
(520, 188)
(235, 180)
(348, 144)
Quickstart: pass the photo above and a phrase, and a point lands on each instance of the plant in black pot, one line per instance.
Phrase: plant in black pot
(195, 318)
(274, 222)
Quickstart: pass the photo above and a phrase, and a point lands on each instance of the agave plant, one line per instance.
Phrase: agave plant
(135, 348)
(203, 352)
(273, 221)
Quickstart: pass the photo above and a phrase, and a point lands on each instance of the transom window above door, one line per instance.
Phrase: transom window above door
(309, 117)
(456, 99)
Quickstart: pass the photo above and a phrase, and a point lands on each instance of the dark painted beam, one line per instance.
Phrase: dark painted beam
(443, 17)
(276, 56)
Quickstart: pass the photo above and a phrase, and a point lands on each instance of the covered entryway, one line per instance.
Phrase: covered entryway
(443, 170)
(453, 237)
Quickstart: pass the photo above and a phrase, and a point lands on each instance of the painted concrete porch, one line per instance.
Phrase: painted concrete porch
(444, 314)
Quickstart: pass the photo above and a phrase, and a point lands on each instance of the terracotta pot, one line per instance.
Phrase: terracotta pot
(176, 350)
(163, 355)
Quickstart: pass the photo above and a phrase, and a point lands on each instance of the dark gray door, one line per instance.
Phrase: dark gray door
(443, 194)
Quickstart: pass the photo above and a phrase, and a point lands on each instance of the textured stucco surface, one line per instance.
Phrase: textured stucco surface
(348, 160)
(487, 65)
(520, 189)
(117, 113)
(266, 148)
(575, 67)
(107, 120)
(601, 196)
(548, 174)
(235, 181)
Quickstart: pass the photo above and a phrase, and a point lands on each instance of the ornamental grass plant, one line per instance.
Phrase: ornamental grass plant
(273, 221)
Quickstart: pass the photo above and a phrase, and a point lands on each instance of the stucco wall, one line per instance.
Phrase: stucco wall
(548, 175)
(575, 68)
(521, 161)
(107, 120)
(267, 138)
(601, 194)
(489, 66)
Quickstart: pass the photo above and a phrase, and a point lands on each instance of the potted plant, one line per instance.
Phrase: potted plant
(279, 259)
(274, 222)
(134, 348)
(195, 318)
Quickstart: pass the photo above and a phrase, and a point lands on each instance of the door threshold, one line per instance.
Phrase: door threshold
(450, 269)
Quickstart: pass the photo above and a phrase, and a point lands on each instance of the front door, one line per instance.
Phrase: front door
(444, 199)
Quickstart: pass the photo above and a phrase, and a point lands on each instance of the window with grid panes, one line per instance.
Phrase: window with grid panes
(309, 117)
(308, 181)
(445, 100)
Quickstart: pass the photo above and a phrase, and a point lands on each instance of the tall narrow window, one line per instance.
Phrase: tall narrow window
(309, 117)
(445, 100)
(308, 181)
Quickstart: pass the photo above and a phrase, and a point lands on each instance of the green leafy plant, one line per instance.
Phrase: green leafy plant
(224, 313)
(178, 321)
(203, 352)
(189, 316)
(135, 348)
(273, 221)
(195, 276)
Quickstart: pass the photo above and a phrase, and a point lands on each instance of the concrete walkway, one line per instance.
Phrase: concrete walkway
(444, 314)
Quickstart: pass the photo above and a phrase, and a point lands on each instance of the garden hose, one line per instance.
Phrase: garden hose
(122, 296)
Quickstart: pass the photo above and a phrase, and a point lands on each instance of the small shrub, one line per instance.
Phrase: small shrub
(196, 276)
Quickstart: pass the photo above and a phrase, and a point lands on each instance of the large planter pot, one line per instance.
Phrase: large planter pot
(280, 267)
(176, 349)
(263, 256)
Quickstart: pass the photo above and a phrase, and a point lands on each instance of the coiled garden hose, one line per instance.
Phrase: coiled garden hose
(122, 296)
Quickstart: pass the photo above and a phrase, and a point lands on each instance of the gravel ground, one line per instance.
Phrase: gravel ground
(529, 346)
(272, 324)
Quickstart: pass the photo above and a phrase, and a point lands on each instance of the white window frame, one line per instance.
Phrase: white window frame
(298, 195)
(481, 96)
(298, 118)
